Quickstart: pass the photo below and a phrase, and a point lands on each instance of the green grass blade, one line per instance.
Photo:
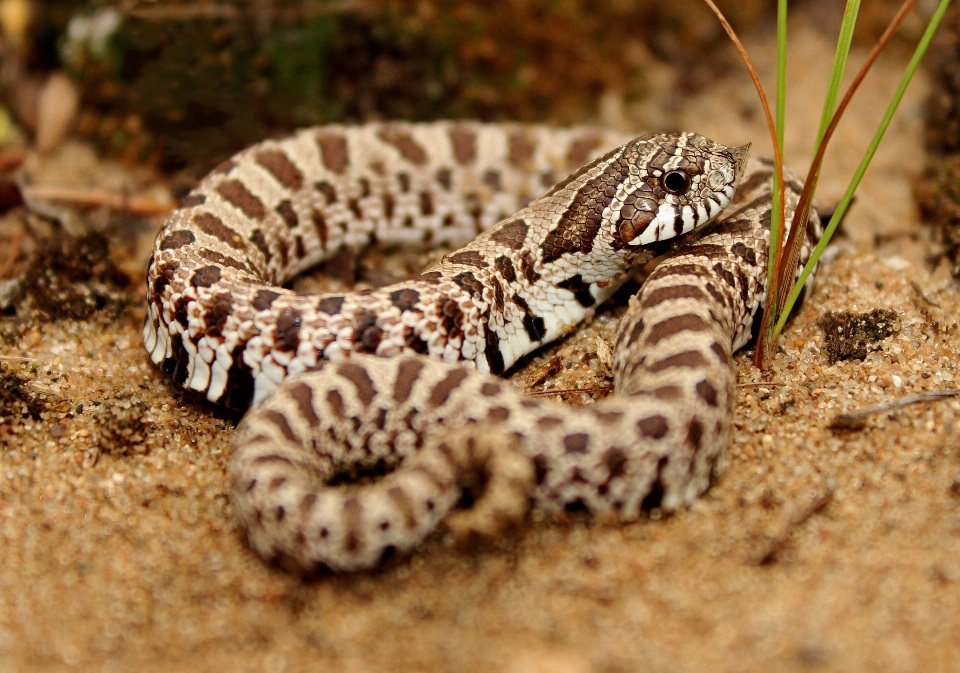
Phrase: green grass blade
(775, 223)
(839, 65)
(864, 163)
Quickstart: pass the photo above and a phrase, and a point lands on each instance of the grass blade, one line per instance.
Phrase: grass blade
(776, 303)
(868, 157)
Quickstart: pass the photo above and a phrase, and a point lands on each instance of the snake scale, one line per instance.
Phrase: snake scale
(380, 382)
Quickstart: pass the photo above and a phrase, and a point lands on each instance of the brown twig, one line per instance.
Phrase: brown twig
(768, 554)
(771, 126)
(97, 198)
(790, 253)
(570, 391)
(761, 383)
(857, 420)
(916, 288)
(225, 11)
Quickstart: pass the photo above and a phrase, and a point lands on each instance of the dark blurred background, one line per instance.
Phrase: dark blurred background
(175, 83)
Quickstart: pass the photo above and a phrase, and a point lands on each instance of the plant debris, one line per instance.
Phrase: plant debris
(74, 277)
(850, 336)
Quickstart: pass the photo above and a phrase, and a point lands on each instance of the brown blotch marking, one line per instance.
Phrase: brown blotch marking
(719, 350)
(746, 254)
(489, 389)
(405, 504)
(505, 268)
(431, 277)
(655, 495)
(716, 294)
(216, 317)
(331, 305)
(306, 505)
(526, 268)
(298, 247)
(177, 239)
(364, 187)
(668, 393)
(654, 427)
(288, 329)
(270, 458)
(753, 181)
(445, 178)
(608, 416)
(498, 414)
(389, 205)
(547, 422)
(635, 331)
(224, 167)
(212, 225)
(263, 299)
(279, 165)
(281, 422)
(328, 191)
(403, 179)
(237, 194)
(464, 145)
(520, 149)
(547, 179)
(288, 214)
(707, 392)
(442, 390)
(530, 404)
(576, 443)
(694, 435)
(580, 289)
(336, 404)
(358, 376)
(320, 224)
(688, 322)
(223, 260)
(426, 204)
(469, 258)
(365, 325)
(492, 352)
(405, 144)
(533, 324)
(352, 512)
(276, 483)
(511, 235)
(302, 394)
(355, 209)
(193, 200)
(672, 293)
(689, 359)
(491, 179)
(205, 276)
(404, 299)
(581, 150)
(469, 283)
(333, 152)
(616, 461)
(407, 374)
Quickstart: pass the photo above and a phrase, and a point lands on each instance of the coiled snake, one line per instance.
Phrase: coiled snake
(219, 322)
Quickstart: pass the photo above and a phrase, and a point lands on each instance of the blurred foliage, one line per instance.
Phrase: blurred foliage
(186, 81)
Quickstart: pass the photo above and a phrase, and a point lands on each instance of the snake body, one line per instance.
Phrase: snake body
(325, 406)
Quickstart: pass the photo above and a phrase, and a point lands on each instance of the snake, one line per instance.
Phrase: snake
(376, 416)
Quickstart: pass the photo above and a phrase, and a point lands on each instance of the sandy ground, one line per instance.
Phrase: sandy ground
(814, 551)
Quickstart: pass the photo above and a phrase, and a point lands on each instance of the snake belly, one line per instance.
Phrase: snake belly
(219, 322)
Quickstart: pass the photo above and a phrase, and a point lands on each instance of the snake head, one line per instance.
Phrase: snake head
(676, 183)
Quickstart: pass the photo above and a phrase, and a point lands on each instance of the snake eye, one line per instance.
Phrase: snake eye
(676, 182)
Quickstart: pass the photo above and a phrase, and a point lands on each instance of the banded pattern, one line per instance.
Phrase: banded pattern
(657, 442)
(219, 323)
